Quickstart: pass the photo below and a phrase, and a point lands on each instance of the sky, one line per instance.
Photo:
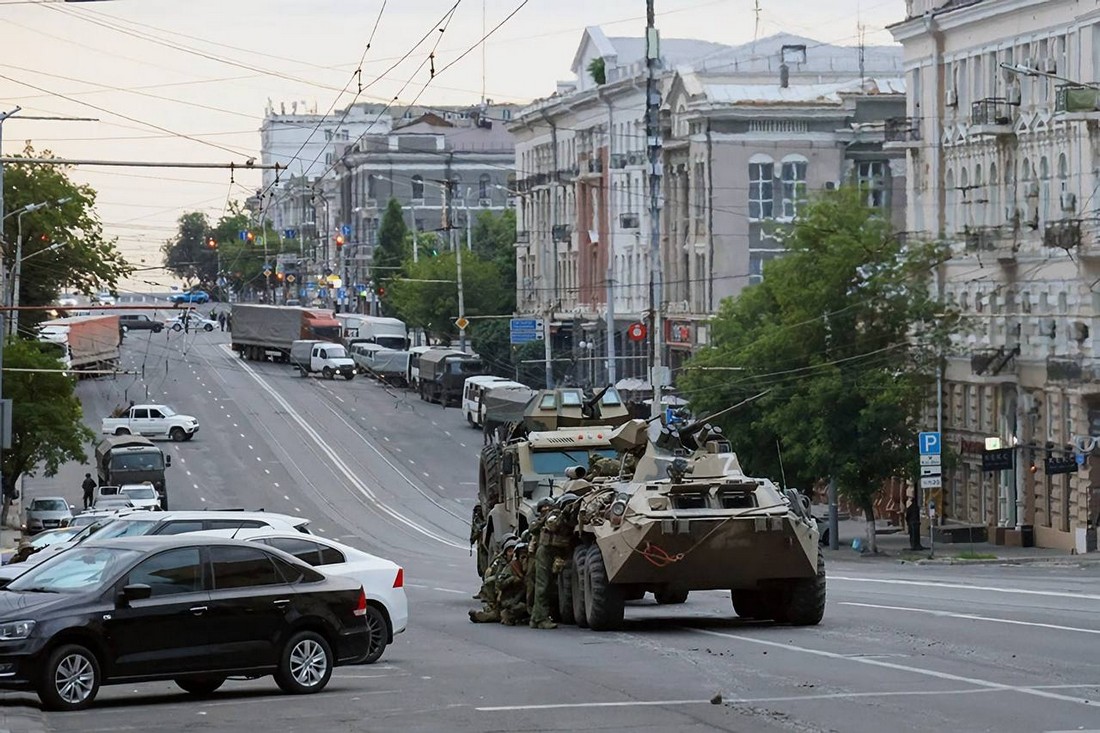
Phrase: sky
(188, 80)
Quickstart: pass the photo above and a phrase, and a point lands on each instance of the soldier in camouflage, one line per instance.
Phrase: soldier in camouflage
(543, 510)
(490, 611)
(511, 588)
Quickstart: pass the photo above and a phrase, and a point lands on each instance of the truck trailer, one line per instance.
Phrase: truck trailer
(389, 332)
(260, 331)
(84, 343)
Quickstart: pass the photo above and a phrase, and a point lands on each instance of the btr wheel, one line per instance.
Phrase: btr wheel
(177, 434)
(565, 595)
(305, 665)
(177, 327)
(805, 599)
(750, 604)
(379, 632)
(200, 686)
(604, 601)
(576, 578)
(349, 376)
(207, 328)
(70, 679)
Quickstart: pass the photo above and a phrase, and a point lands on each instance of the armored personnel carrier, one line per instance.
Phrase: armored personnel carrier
(690, 519)
(526, 458)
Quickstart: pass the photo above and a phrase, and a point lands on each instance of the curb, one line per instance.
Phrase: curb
(1067, 561)
(31, 721)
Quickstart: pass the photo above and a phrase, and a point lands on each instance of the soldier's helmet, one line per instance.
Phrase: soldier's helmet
(509, 545)
(566, 499)
(544, 503)
(510, 536)
(525, 536)
(521, 547)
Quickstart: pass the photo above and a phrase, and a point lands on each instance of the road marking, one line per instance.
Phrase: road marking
(435, 423)
(234, 424)
(277, 486)
(338, 397)
(297, 510)
(195, 485)
(412, 462)
(250, 447)
(566, 705)
(267, 470)
(340, 465)
(975, 681)
(397, 448)
(242, 435)
(450, 590)
(386, 438)
(183, 460)
(259, 459)
(427, 475)
(447, 433)
(286, 497)
(972, 617)
(962, 586)
(188, 473)
(202, 499)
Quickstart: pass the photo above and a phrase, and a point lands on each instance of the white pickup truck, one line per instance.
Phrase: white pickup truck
(152, 421)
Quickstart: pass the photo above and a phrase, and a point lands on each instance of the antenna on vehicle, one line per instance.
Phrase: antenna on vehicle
(782, 471)
(238, 529)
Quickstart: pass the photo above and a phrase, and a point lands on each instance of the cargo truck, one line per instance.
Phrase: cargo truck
(262, 331)
(443, 372)
(83, 343)
(389, 332)
(132, 459)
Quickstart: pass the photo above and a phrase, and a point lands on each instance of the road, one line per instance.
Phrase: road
(902, 647)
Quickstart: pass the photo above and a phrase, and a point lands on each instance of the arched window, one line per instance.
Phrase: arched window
(418, 187)
(1044, 189)
(950, 216)
(995, 195)
(963, 197)
(761, 196)
(483, 186)
(1063, 173)
(794, 184)
(979, 213)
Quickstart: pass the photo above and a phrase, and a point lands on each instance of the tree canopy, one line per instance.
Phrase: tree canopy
(392, 248)
(84, 259)
(844, 335)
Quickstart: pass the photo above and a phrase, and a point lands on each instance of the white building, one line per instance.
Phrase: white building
(1003, 164)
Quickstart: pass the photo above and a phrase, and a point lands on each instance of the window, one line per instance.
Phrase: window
(370, 186)
(331, 556)
(181, 527)
(871, 176)
(418, 187)
(155, 414)
(233, 524)
(170, 572)
(242, 567)
(794, 186)
(140, 414)
(305, 550)
(760, 190)
(483, 186)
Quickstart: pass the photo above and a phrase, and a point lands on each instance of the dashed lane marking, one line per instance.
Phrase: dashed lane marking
(267, 470)
(286, 497)
(972, 617)
(963, 586)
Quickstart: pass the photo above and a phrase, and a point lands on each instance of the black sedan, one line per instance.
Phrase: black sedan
(190, 609)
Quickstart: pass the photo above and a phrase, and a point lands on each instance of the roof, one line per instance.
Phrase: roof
(144, 543)
(766, 54)
(831, 93)
(214, 514)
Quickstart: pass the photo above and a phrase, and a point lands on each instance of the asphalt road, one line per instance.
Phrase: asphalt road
(902, 648)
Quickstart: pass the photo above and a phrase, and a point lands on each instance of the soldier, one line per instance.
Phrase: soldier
(541, 509)
(603, 465)
(555, 540)
(511, 588)
(490, 611)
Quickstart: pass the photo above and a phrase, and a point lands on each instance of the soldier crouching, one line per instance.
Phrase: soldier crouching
(489, 594)
(512, 588)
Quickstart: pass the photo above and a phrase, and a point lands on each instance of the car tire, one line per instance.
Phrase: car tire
(580, 613)
(604, 600)
(208, 328)
(177, 327)
(379, 632)
(327, 373)
(349, 376)
(305, 664)
(200, 686)
(69, 679)
(122, 431)
(177, 434)
(188, 437)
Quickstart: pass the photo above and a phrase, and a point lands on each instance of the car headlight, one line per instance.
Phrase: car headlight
(16, 630)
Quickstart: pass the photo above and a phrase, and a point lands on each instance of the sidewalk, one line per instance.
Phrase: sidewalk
(893, 546)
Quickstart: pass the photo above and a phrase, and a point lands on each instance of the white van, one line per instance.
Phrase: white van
(477, 415)
(471, 396)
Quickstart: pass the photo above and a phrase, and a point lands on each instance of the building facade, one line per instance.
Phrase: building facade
(1001, 139)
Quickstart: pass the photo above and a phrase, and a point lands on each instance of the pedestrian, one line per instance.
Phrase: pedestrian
(89, 487)
(912, 520)
(221, 320)
(229, 322)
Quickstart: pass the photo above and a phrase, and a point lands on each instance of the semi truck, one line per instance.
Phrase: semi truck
(262, 331)
(132, 459)
(389, 332)
(83, 343)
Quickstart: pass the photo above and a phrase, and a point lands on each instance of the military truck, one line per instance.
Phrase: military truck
(689, 518)
(526, 458)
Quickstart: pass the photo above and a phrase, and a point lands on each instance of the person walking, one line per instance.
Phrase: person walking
(912, 520)
(89, 487)
(221, 320)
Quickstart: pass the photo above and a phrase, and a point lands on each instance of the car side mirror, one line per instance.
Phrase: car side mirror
(72, 507)
(508, 463)
(134, 592)
(168, 461)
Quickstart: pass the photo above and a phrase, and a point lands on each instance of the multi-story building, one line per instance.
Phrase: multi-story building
(748, 134)
(1001, 138)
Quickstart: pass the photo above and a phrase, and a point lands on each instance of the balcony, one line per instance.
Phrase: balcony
(902, 133)
(991, 362)
(1064, 234)
(595, 165)
(1075, 102)
(992, 117)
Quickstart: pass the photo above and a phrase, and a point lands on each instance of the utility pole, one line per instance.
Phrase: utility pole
(5, 491)
(653, 141)
(449, 190)
(610, 246)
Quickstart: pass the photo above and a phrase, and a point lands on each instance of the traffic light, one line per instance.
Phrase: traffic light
(381, 291)
(212, 243)
(339, 241)
(279, 276)
(250, 236)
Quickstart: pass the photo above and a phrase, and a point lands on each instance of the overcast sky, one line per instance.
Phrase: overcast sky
(206, 68)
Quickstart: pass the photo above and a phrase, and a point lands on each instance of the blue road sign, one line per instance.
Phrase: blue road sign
(525, 324)
(290, 233)
(1080, 459)
(345, 229)
(929, 444)
(242, 234)
(311, 286)
(525, 337)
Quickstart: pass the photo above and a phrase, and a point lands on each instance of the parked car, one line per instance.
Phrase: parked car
(139, 322)
(106, 503)
(197, 322)
(104, 297)
(194, 296)
(42, 540)
(47, 512)
(141, 496)
(92, 516)
(383, 580)
(67, 301)
(193, 610)
(35, 555)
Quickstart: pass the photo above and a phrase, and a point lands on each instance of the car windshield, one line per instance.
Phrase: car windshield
(140, 492)
(79, 569)
(391, 342)
(53, 536)
(49, 505)
(554, 463)
(126, 528)
(137, 462)
(167, 411)
(336, 352)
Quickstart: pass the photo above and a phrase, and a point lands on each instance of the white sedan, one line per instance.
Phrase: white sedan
(197, 323)
(383, 581)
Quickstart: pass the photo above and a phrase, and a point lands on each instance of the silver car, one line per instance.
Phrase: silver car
(47, 512)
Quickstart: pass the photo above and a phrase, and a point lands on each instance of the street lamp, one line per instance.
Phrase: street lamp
(17, 268)
(1028, 71)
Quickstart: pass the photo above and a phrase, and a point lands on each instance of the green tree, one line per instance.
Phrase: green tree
(84, 260)
(47, 426)
(845, 336)
(392, 248)
(187, 255)
(493, 237)
(598, 70)
(427, 295)
(523, 362)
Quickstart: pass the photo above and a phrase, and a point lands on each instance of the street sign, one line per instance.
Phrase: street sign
(931, 482)
(525, 324)
(524, 330)
(290, 278)
(997, 460)
(930, 470)
(929, 444)
(462, 323)
(1080, 459)
(930, 460)
(524, 337)
(290, 233)
(345, 230)
(1053, 466)
(267, 272)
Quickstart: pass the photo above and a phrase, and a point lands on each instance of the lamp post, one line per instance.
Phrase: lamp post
(17, 267)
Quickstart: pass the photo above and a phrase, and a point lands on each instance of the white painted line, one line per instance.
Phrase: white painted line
(435, 423)
(188, 473)
(251, 448)
(183, 460)
(267, 470)
(447, 433)
(441, 487)
(962, 586)
(427, 475)
(397, 448)
(234, 424)
(338, 397)
(202, 499)
(566, 705)
(386, 438)
(259, 459)
(412, 462)
(242, 435)
(297, 510)
(286, 497)
(463, 445)
(971, 617)
(882, 664)
(321, 530)
(277, 486)
(450, 590)
(195, 485)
